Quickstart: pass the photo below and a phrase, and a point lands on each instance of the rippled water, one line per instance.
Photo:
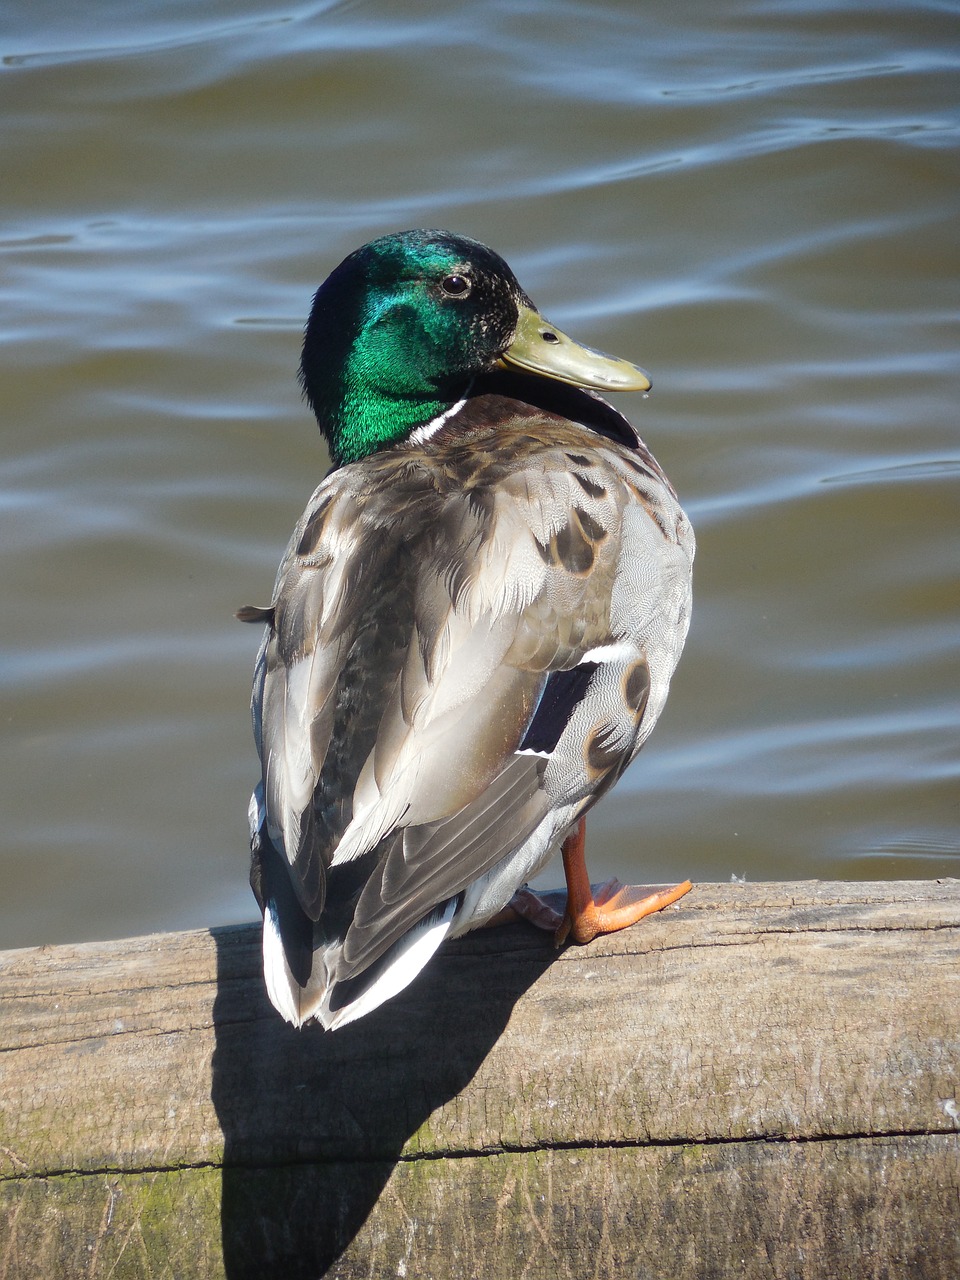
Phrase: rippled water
(756, 201)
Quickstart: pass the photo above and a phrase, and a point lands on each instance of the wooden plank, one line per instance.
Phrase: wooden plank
(764, 1071)
(857, 1209)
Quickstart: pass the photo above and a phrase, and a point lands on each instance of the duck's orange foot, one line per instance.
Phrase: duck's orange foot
(588, 914)
(532, 907)
(615, 906)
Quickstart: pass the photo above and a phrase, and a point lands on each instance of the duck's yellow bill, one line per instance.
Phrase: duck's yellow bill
(540, 347)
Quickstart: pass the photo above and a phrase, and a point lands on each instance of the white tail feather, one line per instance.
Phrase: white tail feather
(299, 1004)
(413, 952)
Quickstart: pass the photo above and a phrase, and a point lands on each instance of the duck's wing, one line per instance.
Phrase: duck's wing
(467, 647)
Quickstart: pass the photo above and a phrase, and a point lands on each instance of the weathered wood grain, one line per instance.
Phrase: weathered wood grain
(761, 1081)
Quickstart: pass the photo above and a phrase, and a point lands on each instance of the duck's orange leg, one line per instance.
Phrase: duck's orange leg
(614, 906)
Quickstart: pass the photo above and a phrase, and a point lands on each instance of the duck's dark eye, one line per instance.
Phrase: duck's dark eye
(456, 286)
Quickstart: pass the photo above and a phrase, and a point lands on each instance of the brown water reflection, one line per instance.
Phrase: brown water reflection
(757, 202)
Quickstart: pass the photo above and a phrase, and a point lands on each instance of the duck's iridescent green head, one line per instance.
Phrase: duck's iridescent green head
(398, 331)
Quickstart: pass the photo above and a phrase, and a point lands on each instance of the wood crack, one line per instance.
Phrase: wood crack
(488, 1152)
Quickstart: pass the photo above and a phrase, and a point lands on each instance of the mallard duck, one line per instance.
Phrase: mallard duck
(472, 632)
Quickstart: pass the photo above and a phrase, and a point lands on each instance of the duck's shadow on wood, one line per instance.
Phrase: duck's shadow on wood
(314, 1122)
